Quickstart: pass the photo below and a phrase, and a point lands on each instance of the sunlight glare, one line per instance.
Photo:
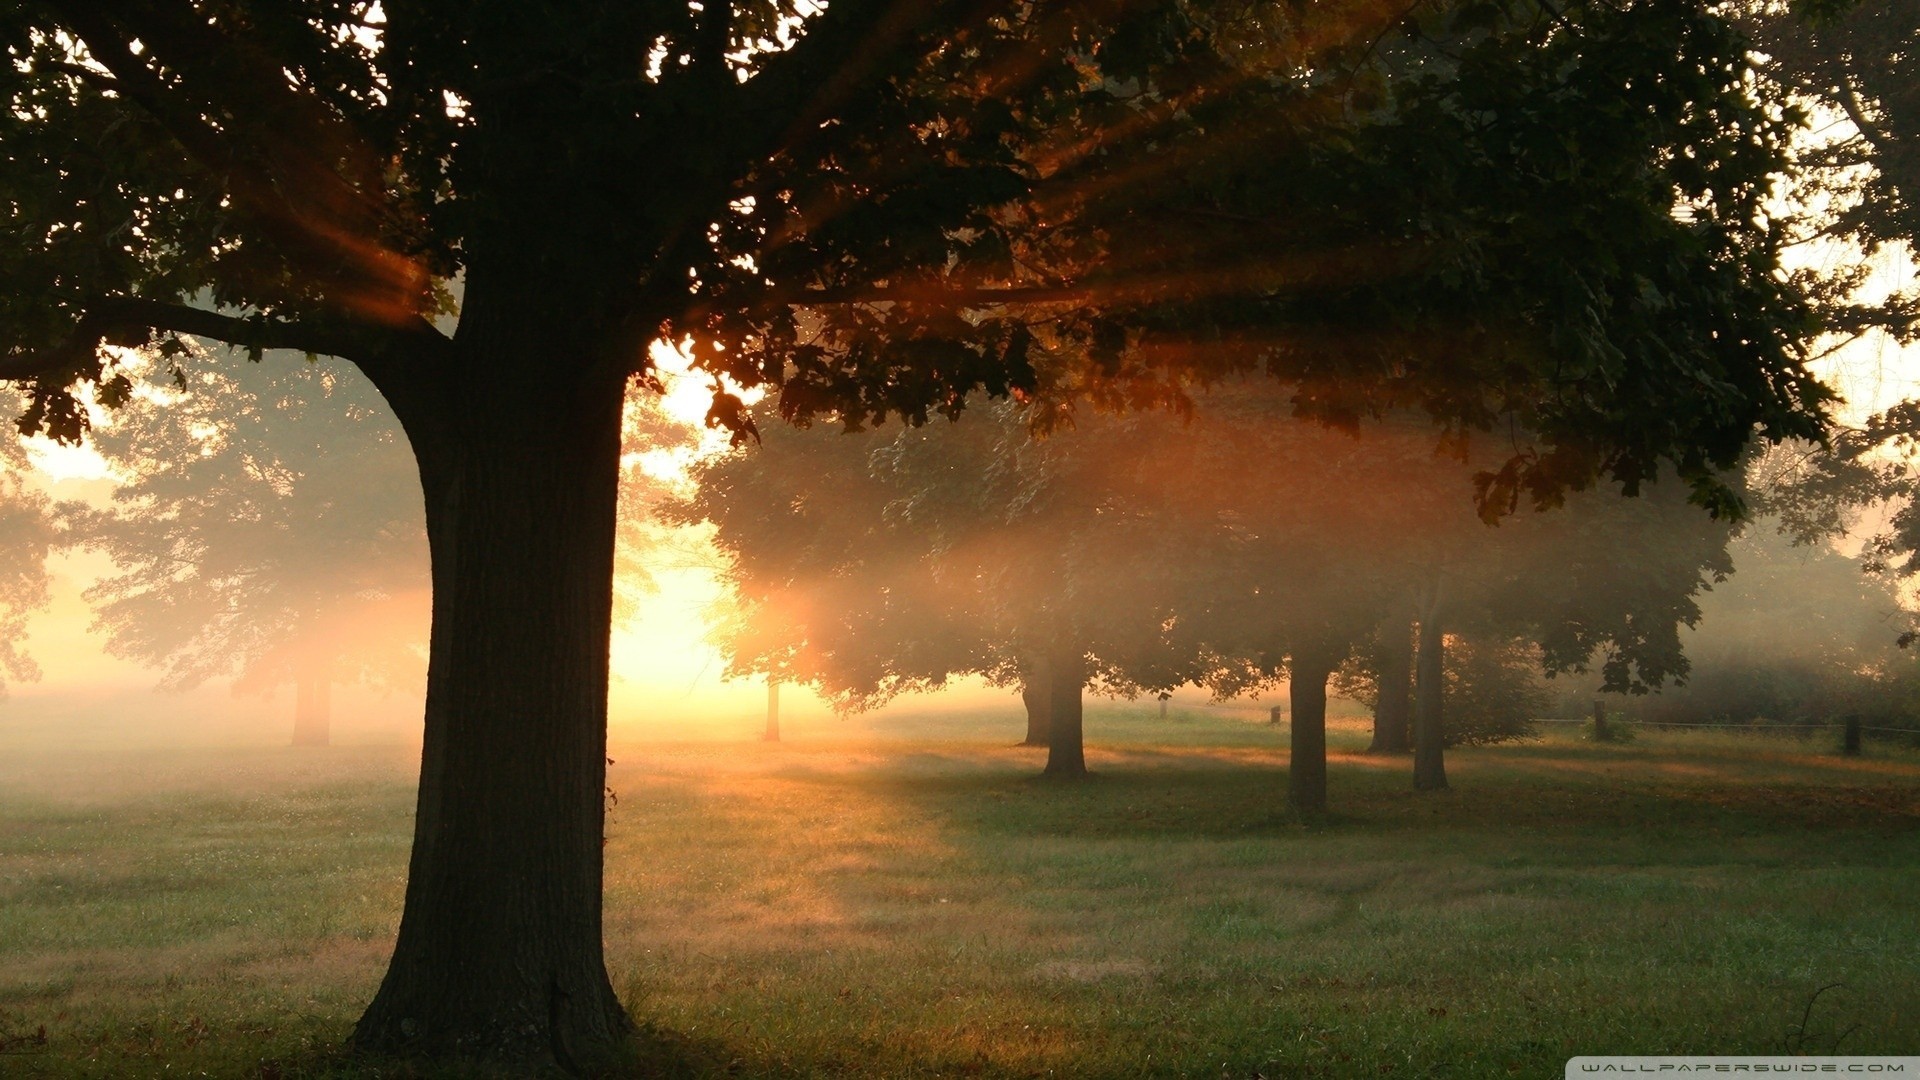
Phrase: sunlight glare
(690, 393)
(58, 461)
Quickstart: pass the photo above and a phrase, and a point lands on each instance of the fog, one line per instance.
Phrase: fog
(1069, 534)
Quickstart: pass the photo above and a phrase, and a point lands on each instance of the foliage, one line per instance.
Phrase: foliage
(28, 535)
(1493, 691)
(1492, 688)
(870, 566)
(1797, 635)
(1865, 481)
(266, 525)
(1853, 63)
(1468, 211)
(1211, 549)
(1603, 580)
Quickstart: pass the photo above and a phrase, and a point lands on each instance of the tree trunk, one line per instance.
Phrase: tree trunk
(312, 706)
(1429, 740)
(773, 712)
(1036, 693)
(499, 956)
(1393, 703)
(1307, 764)
(1067, 676)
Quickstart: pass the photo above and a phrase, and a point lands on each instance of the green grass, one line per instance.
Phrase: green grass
(892, 906)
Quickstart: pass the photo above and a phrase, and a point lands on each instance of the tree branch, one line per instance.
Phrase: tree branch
(279, 159)
(951, 297)
(139, 85)
(389, 356)
(232, 76)
(710, 40)
(842, 52)
(1850, 101)
(100, 80)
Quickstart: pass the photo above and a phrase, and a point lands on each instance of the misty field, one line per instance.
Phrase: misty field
(910, 899)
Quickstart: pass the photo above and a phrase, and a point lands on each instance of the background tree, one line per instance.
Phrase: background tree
(1235, 547)
(904, 204)
(1349, 539)
(266, 528)
(871, 566)
(1798, 635)
(1492, 689)
(28, 535)
(1852, 64)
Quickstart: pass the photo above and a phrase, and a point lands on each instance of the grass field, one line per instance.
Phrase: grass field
(915, 902)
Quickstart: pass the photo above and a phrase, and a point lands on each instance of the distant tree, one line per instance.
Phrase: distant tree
(1864, 480)
(28, 535)
(1493, 689)
(1798, 634)
(1344, 543)
(870, 566)
(1597, 582)
(1852, 62)
(266, 528)
(1235, 547)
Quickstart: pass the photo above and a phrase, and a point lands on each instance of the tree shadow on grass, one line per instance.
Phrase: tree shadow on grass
(653, 1052)
(1159, 797)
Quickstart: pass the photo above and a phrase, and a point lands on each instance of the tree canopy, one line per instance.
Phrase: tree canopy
(1488, 209)
(1853, 62)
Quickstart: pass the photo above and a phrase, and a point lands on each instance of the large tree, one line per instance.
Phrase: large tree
(1545, 213)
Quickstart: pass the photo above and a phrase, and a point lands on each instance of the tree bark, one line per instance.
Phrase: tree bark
(1036, 693)
(312, 706)
(1066, 678)
(1307, 763)
(499, 956)
(772, 733)
(1393, 702)
(1429, 739)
